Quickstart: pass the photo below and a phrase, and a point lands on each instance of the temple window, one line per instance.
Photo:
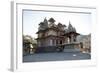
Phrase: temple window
(74, 40)
(56, 41)
(60, 41)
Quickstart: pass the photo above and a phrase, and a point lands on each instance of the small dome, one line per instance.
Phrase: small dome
(51, 20)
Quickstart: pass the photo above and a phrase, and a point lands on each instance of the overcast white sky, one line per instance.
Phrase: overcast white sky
(31, 19)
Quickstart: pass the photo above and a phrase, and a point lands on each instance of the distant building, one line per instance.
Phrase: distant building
(85, 40)
(29, 45)
(51, 35)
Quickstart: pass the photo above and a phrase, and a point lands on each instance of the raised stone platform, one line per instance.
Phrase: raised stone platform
(73, 47)
(71, 50)
(59, 48)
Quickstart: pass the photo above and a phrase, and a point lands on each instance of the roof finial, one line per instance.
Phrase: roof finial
(69, 22)
(45, 18)
(70, 26)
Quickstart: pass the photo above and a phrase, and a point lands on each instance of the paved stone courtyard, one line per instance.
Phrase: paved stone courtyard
(63, 56)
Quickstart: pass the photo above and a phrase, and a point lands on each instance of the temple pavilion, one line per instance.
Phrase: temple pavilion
(55, 37)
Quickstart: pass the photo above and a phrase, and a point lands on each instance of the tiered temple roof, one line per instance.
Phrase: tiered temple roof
(43, 26)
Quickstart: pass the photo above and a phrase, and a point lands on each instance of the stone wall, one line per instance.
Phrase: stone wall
(59, 48)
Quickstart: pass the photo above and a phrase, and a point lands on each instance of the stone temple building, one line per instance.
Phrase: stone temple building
(55, 37)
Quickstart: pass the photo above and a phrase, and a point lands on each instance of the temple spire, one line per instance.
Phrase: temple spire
(69, 22)
(45, 19)
(70, 26)
(45, 22)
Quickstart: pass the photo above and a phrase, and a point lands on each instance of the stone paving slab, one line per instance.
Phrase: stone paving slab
(42, 57)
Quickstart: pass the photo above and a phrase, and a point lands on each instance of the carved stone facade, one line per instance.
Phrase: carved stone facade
(53, 35)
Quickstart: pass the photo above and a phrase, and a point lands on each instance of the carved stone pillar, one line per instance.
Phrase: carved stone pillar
(72, 38)
(68, 40)
(51, 42)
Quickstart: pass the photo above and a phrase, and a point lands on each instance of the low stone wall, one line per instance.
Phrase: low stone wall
(71, 47)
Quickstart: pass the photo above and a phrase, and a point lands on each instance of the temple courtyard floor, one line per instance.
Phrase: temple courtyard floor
(62, 56)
